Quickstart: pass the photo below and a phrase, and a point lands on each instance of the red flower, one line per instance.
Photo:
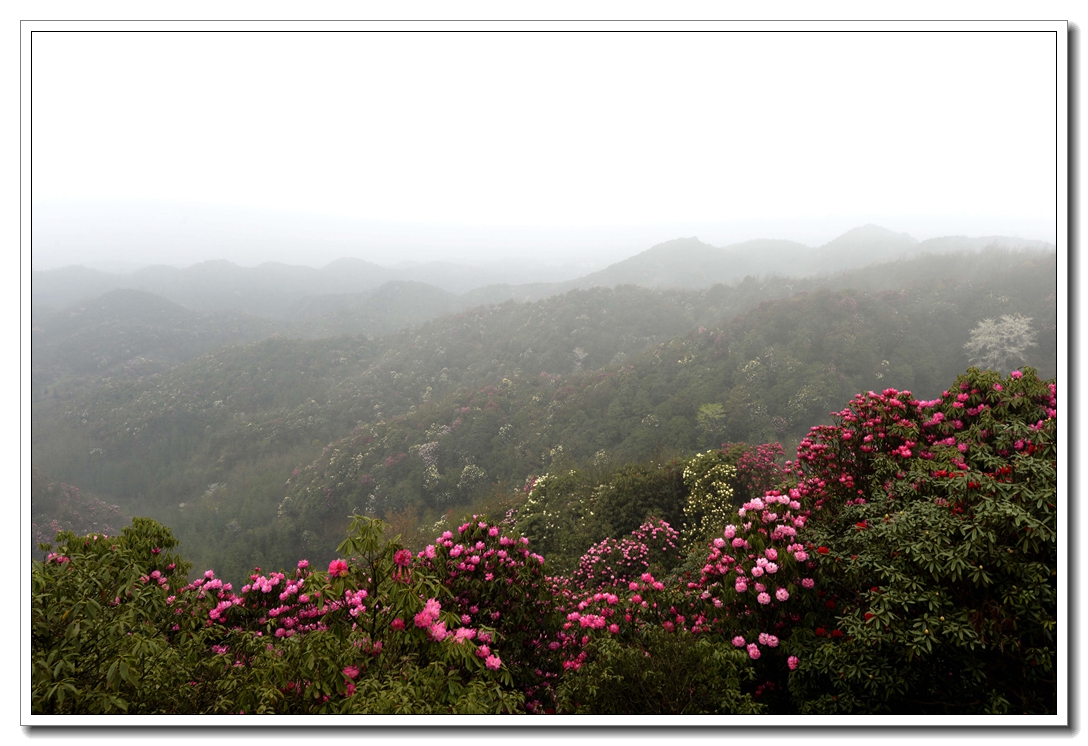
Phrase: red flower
(836, 633)
(869, 615)
(822, 550)
(830, 604)
(862, 525)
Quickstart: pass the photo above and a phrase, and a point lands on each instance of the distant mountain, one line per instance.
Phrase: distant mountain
(867, 244)
(690, 263)
(680, 263)
(131, 333)
(57, 288)
(269, 289)
(294, 293)
(389, 308)
(948, 244)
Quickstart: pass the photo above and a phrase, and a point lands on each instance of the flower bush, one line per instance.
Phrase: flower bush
(935, 524)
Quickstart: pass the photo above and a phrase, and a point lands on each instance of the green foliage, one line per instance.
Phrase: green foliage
(99, 628)
(658, 673)
(434, 689)
(943, 581)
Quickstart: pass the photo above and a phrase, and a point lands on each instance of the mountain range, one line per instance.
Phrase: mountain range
(281, 291)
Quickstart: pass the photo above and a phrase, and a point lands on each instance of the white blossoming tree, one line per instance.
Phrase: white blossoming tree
(994, 344)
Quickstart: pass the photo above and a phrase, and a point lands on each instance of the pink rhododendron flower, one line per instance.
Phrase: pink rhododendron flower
(792, 662)
(782, 594)
(738, 641)
(763, 598)
(1016, 374)
(462, 634)
(338, 568)
(493, 662)
(350, 671)
(753, 651)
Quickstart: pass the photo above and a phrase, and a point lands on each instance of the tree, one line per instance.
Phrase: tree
(994, 343)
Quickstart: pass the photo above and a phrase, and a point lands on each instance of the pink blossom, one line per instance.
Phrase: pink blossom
(782, 594)
(303, 564)
(338, 568)
(1016, 374)
(753, 651)
(397, 623)
(438, 632)
(763, 598)
(738, 641)
(792, 662)
(462, 634)
(493, 662)
(350, 671)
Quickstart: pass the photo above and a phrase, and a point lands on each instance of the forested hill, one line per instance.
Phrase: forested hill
(441, 415)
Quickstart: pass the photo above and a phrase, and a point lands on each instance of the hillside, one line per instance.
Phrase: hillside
(502, 392)
(129, 333)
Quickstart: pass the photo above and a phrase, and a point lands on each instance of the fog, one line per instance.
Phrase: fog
(124, 236)
(577, 151)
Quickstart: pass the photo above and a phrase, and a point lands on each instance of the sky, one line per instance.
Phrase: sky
(559, 148)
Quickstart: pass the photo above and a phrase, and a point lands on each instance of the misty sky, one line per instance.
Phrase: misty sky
(561, 148)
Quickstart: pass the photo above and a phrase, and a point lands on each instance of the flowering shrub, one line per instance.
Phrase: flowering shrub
(935, 525)
(708, 477)
(758, 468)
(652, 547)
(497, 583)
